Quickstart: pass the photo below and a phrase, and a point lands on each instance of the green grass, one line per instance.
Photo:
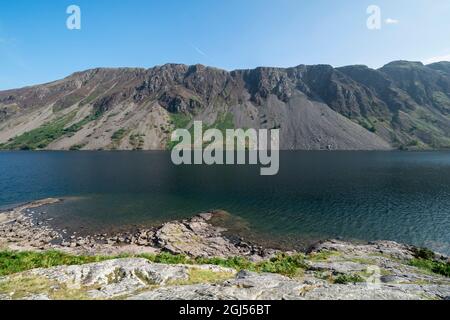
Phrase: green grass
(77, 126)
(118, 135)
(323, 255)
(197, 276)
(13, 262)
(224, 122)
(180, 120)
(288, 265)
(425, 260)
(77, 147)
(367, 124)
(441, 99)
(438, 267)
(41, 137)
(137, 141)
(348, 278)
(167, 258)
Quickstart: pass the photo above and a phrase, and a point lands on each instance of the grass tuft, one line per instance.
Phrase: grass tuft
(348, 278)
(13, 261)
(438, 267)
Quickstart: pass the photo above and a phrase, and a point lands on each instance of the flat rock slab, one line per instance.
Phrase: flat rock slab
(109, 279)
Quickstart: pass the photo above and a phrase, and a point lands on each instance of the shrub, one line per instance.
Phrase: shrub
(423, 253)
(438, 267)
(348, 278)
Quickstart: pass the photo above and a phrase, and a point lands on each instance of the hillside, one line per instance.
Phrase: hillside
(401, 105)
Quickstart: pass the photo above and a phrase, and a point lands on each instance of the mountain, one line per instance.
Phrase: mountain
(401, 105)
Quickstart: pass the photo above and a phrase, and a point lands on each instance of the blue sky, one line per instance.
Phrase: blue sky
(36, 46)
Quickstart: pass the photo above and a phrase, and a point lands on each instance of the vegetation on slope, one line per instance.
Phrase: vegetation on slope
(18, 261)
(13, 262)
(433, 266)
(223, 122)
(41, 137)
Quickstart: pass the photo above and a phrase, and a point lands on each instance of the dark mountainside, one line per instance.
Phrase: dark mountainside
(401, 105)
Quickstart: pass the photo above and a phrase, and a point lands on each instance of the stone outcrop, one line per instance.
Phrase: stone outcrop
(118, 278)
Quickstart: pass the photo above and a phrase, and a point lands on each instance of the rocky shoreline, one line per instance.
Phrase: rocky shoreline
(330, 270)
(27, 228)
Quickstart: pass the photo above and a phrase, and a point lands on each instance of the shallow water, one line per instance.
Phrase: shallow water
(402, 196)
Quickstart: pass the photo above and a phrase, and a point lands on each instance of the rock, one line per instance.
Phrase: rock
(338, 267)
(195, 239)
(388, 248)
(253, 286)
(111, 279)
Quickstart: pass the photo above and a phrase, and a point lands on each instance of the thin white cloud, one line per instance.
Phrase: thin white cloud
(391, 21)
(199, 51)
(437, 59)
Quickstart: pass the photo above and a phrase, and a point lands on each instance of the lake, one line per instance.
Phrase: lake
(401, 196)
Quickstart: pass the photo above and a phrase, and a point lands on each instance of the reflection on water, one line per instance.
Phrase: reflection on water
(316, 195)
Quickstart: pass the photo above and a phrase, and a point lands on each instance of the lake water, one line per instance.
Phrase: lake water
(402, 196)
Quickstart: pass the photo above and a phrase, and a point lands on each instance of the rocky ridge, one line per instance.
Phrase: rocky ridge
(402, 105)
